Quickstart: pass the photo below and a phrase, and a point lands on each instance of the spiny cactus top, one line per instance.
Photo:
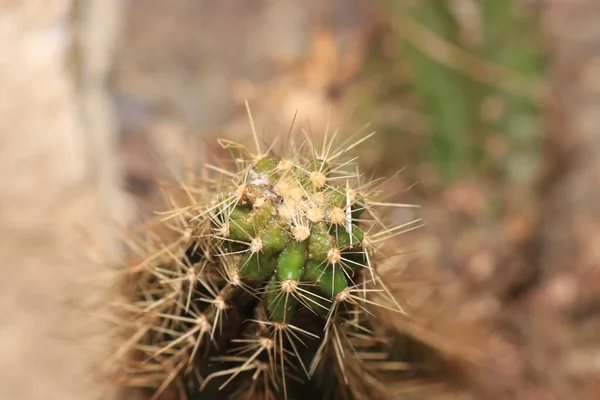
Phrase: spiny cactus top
(266, 279)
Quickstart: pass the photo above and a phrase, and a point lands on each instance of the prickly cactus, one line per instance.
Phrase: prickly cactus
(261, 285)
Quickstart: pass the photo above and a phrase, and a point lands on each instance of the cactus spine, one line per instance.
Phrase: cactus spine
(265, 281)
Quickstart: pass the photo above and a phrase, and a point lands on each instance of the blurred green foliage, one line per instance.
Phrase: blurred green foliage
(457, 93)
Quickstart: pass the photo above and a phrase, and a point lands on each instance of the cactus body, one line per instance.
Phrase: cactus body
(265, 283)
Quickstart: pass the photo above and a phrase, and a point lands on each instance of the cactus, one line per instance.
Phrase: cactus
(261, 286)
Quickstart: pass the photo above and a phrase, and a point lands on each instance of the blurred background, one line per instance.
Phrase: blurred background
(491, 109)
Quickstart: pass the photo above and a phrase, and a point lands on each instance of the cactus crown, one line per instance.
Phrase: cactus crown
(267, 278)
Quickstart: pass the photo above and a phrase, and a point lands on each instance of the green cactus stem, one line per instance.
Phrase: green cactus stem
(269, 267)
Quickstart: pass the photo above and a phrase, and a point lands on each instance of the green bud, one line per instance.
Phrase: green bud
(291, 261)
(240, 225)
(329, 278)
(336, 197)
(266, 165)
(342, 237)
(274, 237)
(240, 212)
(257, 267)
(262, 215)
(281, 305)
(318, 243)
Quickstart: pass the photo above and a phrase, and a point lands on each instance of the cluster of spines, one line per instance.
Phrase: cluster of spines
(287, 235)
